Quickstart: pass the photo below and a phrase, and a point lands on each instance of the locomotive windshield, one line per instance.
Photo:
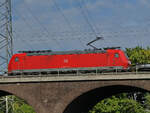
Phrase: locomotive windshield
(116, 55)
(16, 59)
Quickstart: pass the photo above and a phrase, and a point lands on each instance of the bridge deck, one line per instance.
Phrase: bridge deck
(69, 77)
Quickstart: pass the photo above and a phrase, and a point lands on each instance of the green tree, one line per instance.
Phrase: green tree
(138, 55)
(20, 106)
(147, 102)
(118, 105)
(14, 105)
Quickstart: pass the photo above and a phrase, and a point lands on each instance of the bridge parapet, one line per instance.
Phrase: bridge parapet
(72, 77)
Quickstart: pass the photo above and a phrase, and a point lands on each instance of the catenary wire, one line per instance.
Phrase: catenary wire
(85, 8)
(40, 24)
(65, 18)
(24, 41)
(86, 18)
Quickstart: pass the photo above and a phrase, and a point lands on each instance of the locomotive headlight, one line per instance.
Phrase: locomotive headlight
(129, 62)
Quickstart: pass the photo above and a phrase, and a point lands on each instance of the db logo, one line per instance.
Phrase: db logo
(65, 60)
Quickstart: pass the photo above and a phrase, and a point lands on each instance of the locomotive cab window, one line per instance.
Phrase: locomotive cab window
(16, 59)
(116, 55)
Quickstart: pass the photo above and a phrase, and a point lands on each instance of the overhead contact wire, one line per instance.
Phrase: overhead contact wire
(86, 18)
(89, 16)
(65, 18)
(41, 25)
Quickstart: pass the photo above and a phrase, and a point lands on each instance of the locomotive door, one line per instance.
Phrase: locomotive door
(109, 59)
(17, 64)
(112, 59)
(19, 61)
(115, 59)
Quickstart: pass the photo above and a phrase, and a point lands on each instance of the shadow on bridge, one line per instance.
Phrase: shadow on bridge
(88, 100)
(4, 93)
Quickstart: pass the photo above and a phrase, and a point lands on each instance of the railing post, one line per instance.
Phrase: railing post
(77, 72)
(96, 71)
(136, 70)
(58, 72)
(116, 70)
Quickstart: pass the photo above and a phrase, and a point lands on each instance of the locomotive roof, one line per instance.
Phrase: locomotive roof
(64, 52)
(50, 52)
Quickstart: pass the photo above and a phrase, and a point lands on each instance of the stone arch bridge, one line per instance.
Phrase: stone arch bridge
(70, 94)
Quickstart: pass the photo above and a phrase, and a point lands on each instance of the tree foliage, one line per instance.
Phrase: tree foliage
(14, 105)
(139, 55)
(20, 106)
(118, 105)
(147, 102)
(123, 103)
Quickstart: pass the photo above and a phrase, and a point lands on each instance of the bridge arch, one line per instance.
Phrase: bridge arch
(4, 93)
(87, 100)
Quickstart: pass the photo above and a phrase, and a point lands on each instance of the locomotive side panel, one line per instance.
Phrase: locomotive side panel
(35, 62)
(59, 61)
(67, 61)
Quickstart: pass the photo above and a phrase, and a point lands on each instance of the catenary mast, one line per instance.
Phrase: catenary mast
(6, 42)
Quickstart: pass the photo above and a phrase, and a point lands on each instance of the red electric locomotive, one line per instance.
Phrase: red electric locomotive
(52, 61)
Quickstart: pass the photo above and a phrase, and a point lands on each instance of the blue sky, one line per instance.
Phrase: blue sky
(63, 24)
